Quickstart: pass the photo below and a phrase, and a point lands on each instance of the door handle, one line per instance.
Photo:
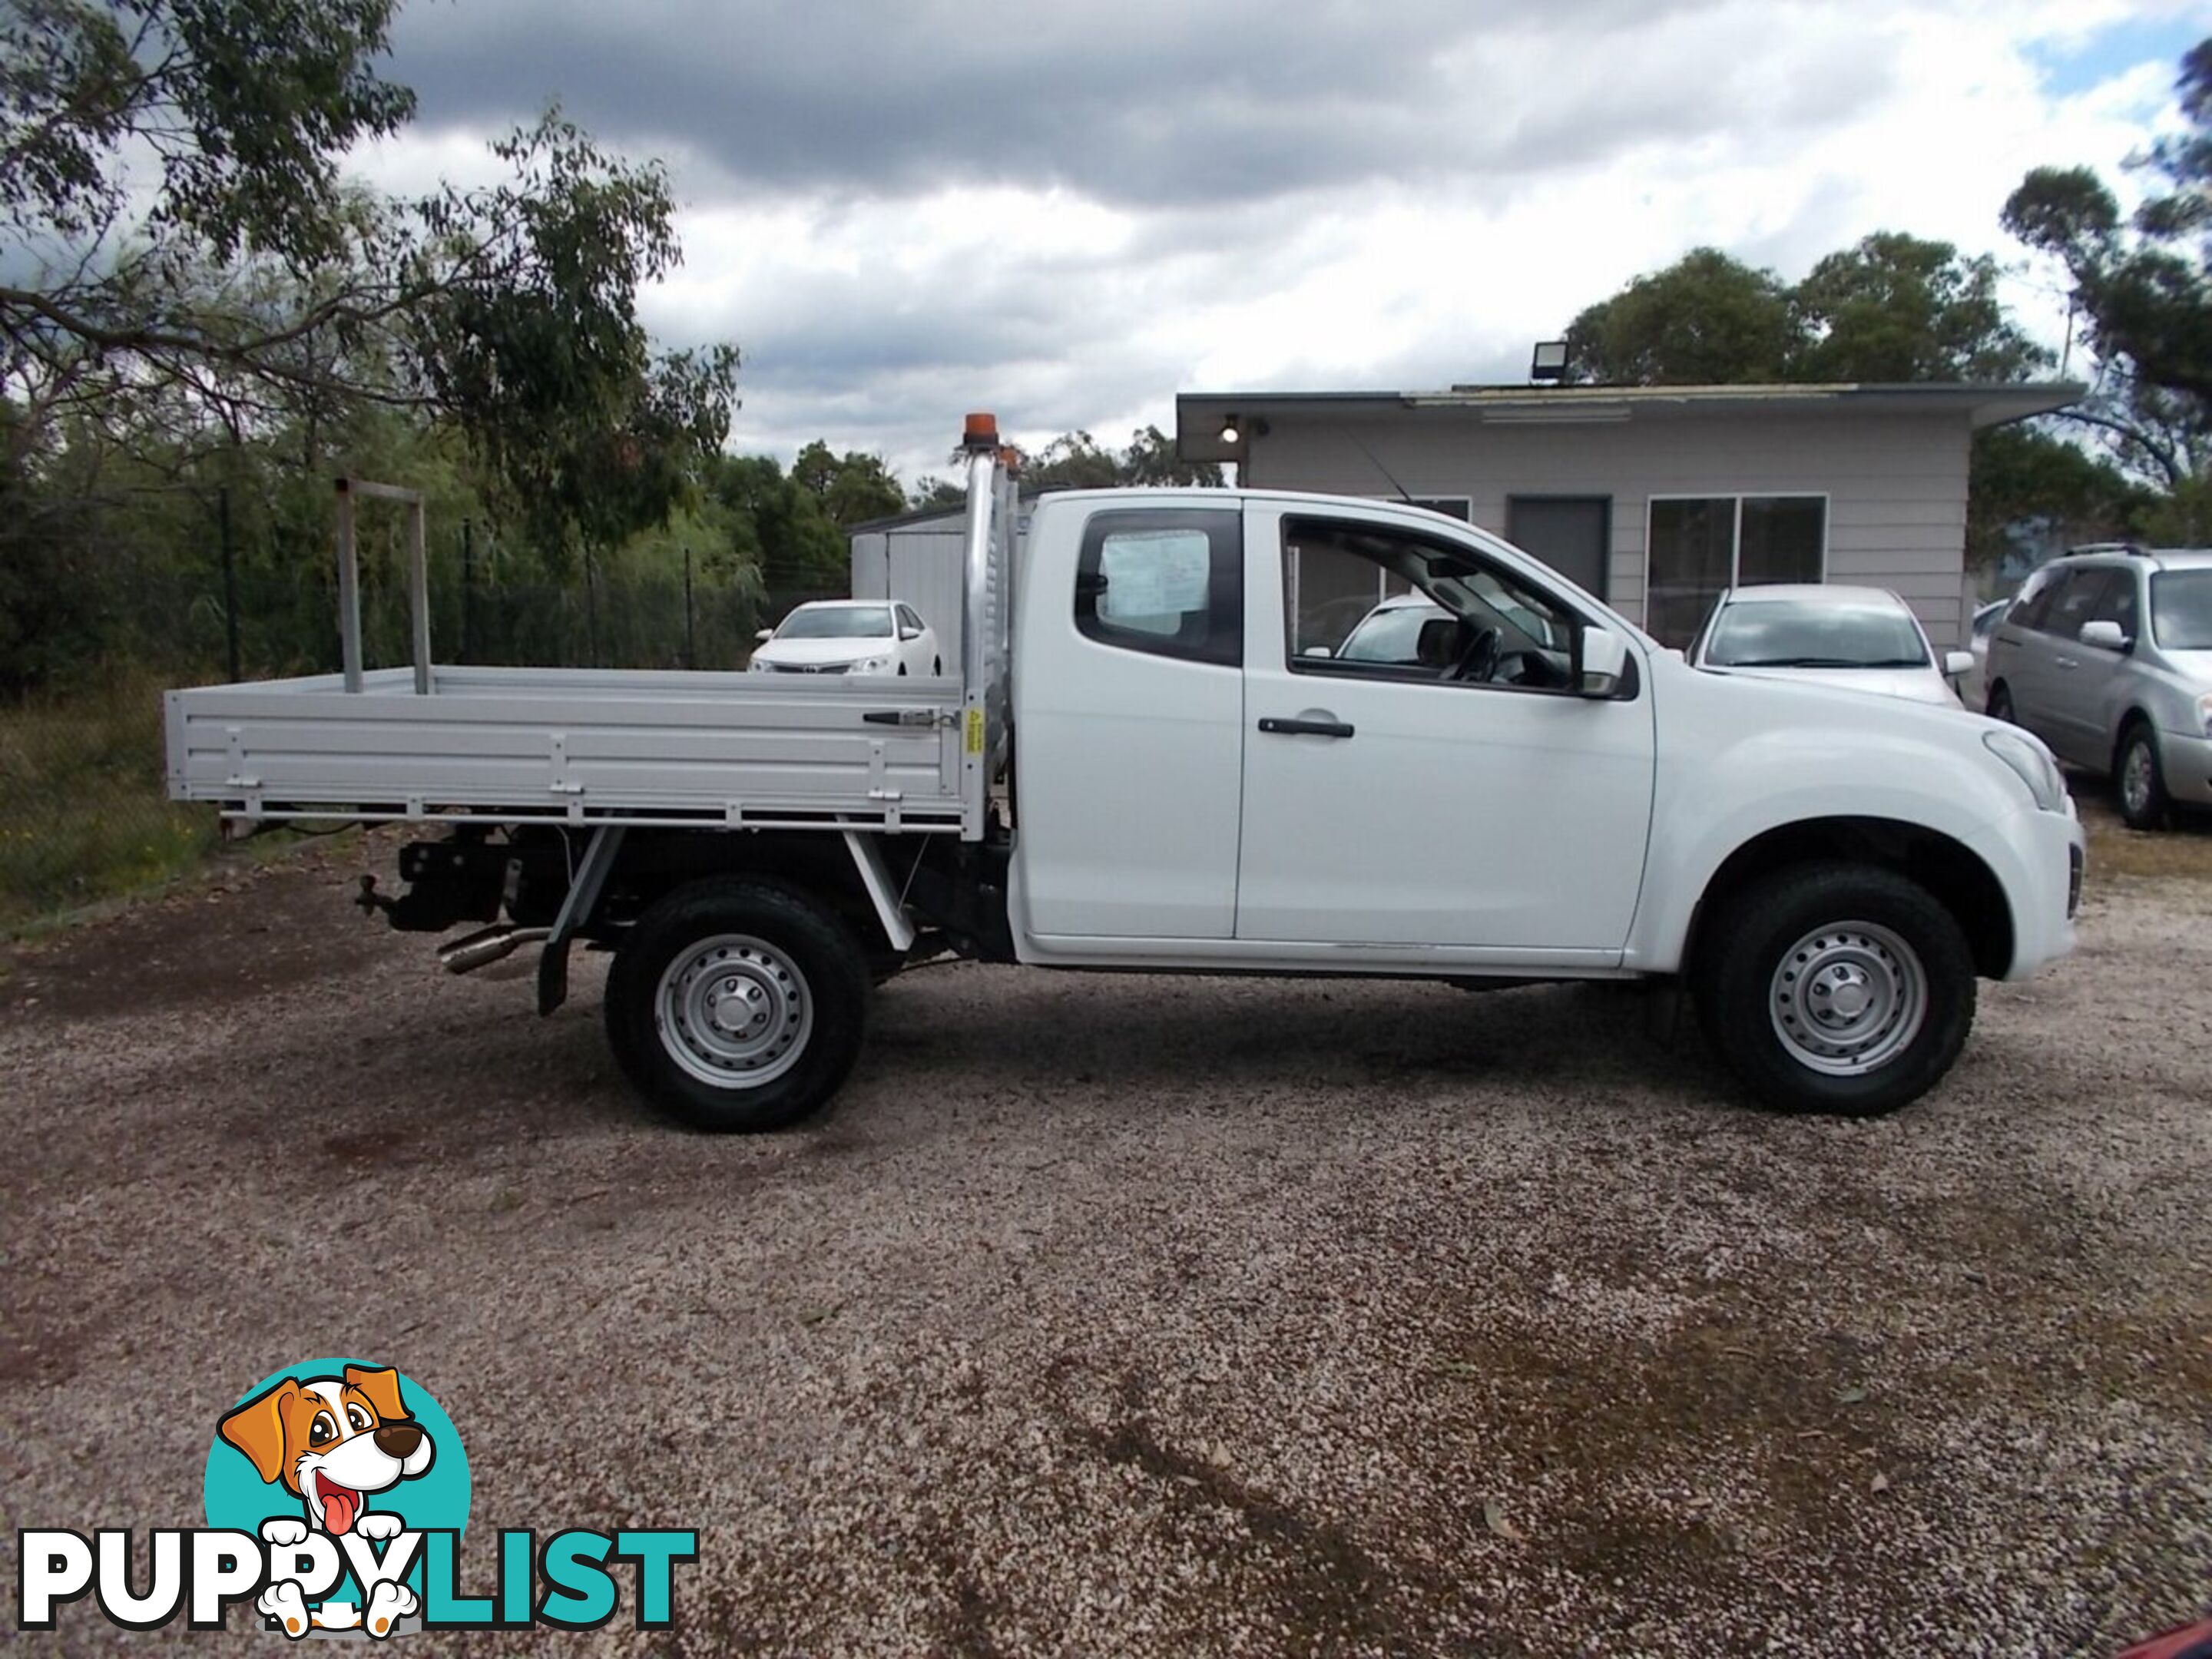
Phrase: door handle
(1307, 728)
(2067, 662)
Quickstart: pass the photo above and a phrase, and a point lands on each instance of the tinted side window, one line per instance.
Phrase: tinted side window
(2118, 602)
(1169, 582)
(2027, 610)
(2076, 603)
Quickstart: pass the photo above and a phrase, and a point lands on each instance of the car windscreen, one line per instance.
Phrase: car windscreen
(2181, 610)
(1778, 634)
(1389, 636)
(844, 621)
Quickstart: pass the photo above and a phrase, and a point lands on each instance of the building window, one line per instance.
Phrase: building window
(1701, 545)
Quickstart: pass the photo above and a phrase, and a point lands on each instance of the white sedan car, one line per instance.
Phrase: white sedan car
(1865, 638)
(850, 636)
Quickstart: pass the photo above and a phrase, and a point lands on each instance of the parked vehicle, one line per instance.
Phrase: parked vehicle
(849, 636)
(1974, 685)
(2106, 655)
(1412, 629)
(1137, 768)
(1864, 638)
(1390, 632)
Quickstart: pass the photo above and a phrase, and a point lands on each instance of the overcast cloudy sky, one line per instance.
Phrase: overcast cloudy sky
(1068, 212)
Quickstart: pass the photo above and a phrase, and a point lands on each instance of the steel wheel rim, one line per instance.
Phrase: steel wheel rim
(2135, 778)
(733, 1012)
(1848, 998)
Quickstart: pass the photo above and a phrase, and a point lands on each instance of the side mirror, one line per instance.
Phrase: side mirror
(765, 635)
(2105, 636)
(1957, 664)
(1602, 662)
(909, 633)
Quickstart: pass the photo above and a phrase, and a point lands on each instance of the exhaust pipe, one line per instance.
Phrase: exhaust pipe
(465, 956)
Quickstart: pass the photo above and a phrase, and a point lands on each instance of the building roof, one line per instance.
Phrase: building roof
(1200, 415)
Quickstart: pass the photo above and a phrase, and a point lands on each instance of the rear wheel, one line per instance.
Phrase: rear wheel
(2141, 779)
(737, 1005)
(1835, 988)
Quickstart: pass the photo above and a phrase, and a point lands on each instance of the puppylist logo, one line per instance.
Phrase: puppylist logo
(337, 1493)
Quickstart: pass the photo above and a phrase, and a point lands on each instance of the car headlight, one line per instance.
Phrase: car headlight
(870, 665)
(2032, 764)
(2205, 713)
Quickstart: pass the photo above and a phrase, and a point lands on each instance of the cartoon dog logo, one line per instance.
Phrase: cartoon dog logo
(333, 1442)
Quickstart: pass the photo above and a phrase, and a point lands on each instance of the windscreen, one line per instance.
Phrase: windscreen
(1777, 634)
(2181, 610)
(844, 621)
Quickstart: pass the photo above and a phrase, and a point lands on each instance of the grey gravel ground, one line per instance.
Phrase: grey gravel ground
(1145, 1316)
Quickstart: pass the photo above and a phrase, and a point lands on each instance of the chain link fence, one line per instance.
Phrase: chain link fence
(83, 812)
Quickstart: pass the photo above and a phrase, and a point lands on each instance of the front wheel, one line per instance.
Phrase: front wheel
(1839, 988)
(2143, 799)
(737, 1005)
(1999, 706)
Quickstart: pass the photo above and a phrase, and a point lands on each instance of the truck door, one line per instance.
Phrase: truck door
(1425, 777)
(1130, 704)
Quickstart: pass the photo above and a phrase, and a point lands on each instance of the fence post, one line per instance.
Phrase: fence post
(419, 593)
(691, 657)
(349, 591)
(229, 588)
(468, 584)
(591, 613)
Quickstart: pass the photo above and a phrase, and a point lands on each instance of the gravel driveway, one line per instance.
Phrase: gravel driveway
(1115, 1315)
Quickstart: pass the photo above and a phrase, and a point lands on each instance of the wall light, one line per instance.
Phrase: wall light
(1229, 435)
(1550, 363)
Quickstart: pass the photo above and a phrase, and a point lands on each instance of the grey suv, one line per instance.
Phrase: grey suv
(2106, 655)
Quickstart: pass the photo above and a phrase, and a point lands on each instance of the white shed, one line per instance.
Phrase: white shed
(918, 557)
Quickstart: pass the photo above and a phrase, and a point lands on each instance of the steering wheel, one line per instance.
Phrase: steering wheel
(1478, 661)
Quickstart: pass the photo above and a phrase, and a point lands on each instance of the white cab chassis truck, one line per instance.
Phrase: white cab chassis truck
(1154, 758)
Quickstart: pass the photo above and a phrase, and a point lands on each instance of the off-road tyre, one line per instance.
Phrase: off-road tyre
(1784, 963)
(798, 985)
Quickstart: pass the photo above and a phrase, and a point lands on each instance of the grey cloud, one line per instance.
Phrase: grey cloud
(1227, 132)
(1136, 103)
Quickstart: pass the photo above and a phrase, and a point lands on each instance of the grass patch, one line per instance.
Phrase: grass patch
(84, 814)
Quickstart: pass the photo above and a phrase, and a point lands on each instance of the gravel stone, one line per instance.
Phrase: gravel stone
(1124, 1315)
